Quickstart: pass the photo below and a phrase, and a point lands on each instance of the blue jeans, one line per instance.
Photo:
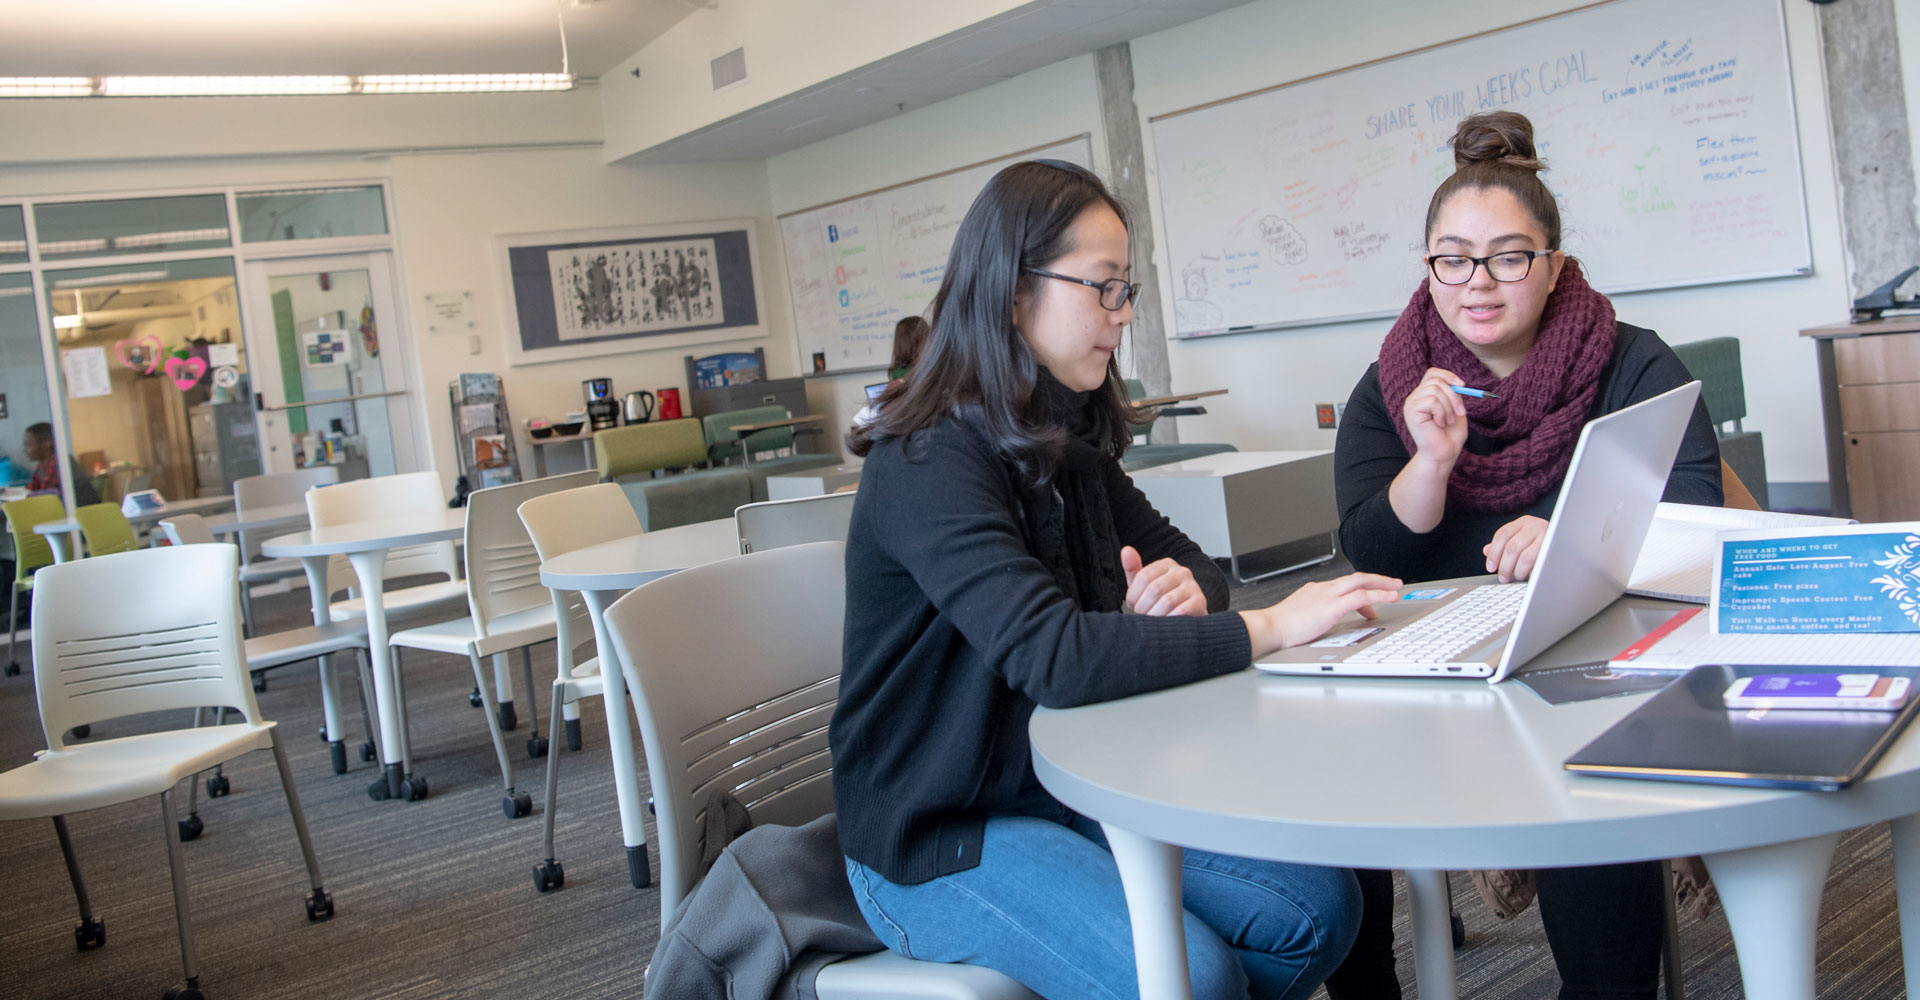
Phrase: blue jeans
(1045, 906)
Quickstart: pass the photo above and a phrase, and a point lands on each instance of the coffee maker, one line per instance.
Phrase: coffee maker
(603, 411)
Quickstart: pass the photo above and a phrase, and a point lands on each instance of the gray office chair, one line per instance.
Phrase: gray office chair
(764, 689)
(773, 524)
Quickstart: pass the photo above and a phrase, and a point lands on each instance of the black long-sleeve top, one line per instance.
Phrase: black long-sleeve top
(955, 632)
(1368, 454)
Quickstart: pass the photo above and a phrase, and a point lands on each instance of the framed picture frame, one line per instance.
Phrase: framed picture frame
(585, 293)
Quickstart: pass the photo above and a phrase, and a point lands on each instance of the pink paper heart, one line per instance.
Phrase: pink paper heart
(185, 372)
(151, 342)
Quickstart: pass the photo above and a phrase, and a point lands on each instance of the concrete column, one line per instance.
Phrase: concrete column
(1871, 140)
(1127, 164)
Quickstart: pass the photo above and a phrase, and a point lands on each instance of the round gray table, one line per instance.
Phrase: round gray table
(1436, 775)
(365, 544)
(282, 515)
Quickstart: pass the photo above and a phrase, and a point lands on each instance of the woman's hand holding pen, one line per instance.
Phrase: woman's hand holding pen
(1163, 588)
(1309, 612)
(1437, 419)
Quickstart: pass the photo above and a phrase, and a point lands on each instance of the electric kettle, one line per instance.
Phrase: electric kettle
(639, 407)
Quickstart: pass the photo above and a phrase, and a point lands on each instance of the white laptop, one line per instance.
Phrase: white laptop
(1606, 503)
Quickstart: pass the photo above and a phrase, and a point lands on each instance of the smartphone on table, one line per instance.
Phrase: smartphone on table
(1869, 691)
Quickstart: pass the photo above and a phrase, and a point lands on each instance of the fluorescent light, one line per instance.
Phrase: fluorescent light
(67, 322)
(292, 192)
(13, 246)
(457, 83)
(7, 293)
(175, 236)
(222, 86)
(123, 278)
(72, 246)
(46, 86)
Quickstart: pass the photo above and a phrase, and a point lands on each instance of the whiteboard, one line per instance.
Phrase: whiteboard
(1668, 131)
(857, 266)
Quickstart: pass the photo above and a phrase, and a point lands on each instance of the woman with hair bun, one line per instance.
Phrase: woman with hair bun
(1432, 484)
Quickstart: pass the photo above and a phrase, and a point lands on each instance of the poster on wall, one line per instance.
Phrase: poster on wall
(86, 371)
(585, 293)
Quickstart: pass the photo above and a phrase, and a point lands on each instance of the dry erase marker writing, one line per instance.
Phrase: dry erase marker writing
(1475, 393)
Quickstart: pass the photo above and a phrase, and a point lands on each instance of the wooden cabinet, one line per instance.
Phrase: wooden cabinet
(1870, 390)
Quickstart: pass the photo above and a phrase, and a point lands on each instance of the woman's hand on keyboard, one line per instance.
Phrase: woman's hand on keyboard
(1309, 612)
(1515, 547)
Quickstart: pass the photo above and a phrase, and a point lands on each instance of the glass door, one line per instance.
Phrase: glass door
(331, 379)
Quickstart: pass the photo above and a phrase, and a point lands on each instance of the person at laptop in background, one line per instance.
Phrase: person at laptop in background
(909, 336)
(1433, 484)
(37, 443)
(998, 559)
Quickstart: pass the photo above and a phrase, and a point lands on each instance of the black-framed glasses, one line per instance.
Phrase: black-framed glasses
(1508, 265)
(1115, 293)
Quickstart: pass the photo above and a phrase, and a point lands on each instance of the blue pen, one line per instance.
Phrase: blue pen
(1475, 393)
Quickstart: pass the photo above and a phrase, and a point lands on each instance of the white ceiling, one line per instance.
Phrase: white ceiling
(241, 37)
(1027, 38)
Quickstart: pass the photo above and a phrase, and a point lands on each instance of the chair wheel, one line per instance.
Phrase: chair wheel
(91, 933)
(338, 752)
(413, 789)
(319, 906)
(548, 876)
(182, 993)
(516, 804)
(536, 746)
(1459, 931)
(13, 670)
(82, 732)
(474, 699)
(218, 786)
(573, 734)
(366, 751)
(508, 718)
(378, 790)
(190, 828)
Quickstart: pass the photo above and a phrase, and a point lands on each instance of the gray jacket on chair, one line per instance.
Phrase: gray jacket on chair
(774, 909)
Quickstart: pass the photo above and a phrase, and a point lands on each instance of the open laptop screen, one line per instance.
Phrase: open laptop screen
(874, 391)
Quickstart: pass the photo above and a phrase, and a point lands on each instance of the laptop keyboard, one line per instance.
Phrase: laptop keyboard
(1453, 630)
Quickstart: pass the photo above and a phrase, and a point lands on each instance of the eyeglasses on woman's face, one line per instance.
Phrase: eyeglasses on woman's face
(1115, 293)
(1508, 266)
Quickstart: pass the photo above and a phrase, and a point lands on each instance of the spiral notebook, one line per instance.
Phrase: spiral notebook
(1676, 560)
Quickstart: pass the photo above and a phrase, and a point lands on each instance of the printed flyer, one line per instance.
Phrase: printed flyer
(1856, 578)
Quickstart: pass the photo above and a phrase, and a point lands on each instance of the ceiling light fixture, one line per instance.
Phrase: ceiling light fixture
(463, 83)
(281, 86)
(122, 278)
(46, 86)
(222, 86)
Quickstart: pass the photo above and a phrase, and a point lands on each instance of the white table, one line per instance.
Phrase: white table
(1438, 775)
(365, 544)
(812, 482)
(1238, 502)
(281, 515)
(60, 533)
(584, 439)
(602, 573)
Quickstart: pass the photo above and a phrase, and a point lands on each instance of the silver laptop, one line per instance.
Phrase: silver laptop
(1606, 504)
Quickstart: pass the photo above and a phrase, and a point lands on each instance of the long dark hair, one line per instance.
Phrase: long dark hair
(975, 365)
(909, 336)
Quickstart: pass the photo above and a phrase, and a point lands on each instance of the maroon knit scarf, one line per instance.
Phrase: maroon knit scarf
(1542, 405)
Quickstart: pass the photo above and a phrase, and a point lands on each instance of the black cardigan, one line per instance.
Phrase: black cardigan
(1368, 455)
(955, 631)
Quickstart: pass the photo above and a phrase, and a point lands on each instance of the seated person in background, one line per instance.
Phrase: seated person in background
(1431, 484)
(38, 445)
(999, 560)
(909, 336)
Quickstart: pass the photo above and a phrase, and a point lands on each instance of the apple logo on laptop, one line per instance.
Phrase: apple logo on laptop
(1613, 516)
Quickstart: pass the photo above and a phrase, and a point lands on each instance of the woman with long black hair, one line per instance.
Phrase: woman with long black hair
(998, 560)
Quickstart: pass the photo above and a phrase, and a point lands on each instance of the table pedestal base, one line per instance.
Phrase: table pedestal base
(1772, 899)
(1429, 901)
(1150, 874)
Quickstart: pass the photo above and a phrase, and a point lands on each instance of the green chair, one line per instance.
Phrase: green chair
(30, 552)
(1146, 455)
(105, 529)
(1715, 361)
(725, 444)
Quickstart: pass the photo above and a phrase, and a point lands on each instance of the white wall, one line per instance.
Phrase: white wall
(1044, 106)
(1276, 377)
(450, 209)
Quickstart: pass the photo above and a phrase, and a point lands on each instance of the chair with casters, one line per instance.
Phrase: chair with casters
(104, 529)
(764, 694)
(560, 523)
(510, 610)
(253, 493)
(295, 645)
(145, 631)
(1144, 454)
(30, 552)
(773, 524)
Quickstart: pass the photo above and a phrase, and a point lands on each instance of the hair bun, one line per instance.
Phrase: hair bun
(1503, 136)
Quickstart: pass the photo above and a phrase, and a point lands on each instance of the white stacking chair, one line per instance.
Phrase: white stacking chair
(295, 645)
(271, 490)
(772, 524)
(752, 718)
(510, 609)
(560, 523)
(366, 499)
(143, 631)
